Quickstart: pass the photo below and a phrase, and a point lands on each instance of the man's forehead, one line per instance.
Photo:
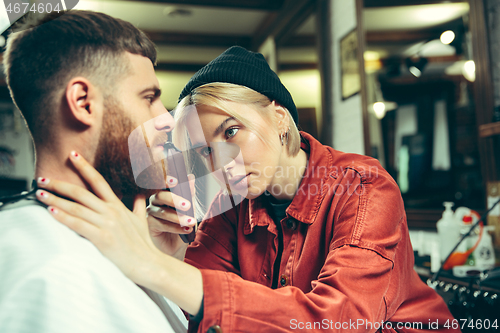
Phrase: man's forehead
(141, 72)
(139, 63)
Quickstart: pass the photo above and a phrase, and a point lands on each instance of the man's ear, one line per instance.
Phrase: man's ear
(281, 116)
(83, 100)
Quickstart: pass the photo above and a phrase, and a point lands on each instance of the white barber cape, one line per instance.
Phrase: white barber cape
(53, 280)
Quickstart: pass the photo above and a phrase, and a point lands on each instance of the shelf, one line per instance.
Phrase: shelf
(447, 277)
(488, 130)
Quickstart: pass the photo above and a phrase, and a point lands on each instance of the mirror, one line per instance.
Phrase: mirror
(419, 92)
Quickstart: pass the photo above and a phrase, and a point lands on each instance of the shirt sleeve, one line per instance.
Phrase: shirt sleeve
(215, 244)
(344, 295)
(69, 294)
(351, 292)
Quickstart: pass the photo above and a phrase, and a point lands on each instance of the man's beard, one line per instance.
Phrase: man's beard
(112, 158)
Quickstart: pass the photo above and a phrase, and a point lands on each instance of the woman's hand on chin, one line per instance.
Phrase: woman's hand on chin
(120, 234)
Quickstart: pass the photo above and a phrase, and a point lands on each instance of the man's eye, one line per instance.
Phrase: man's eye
(230, 132)
(150, 99)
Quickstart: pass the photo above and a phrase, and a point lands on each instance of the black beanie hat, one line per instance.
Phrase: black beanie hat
(239, 66)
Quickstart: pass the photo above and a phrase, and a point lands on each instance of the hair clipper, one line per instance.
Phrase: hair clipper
(177, 168)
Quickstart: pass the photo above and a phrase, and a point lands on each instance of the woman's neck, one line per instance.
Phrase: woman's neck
(288, 176)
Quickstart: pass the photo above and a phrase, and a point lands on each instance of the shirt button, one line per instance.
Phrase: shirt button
(214, 329)
(291, 224)
(284, 280)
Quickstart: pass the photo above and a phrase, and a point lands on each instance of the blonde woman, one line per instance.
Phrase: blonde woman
(300, 237)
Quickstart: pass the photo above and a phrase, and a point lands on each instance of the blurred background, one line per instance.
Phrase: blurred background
(413, 83)
(409, 82)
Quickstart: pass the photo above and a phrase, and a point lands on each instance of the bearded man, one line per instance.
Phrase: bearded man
(83, 81)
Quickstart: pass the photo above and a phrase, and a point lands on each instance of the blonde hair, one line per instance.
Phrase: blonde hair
(217, 94)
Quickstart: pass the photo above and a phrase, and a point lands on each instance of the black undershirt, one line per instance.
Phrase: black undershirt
(277, 211)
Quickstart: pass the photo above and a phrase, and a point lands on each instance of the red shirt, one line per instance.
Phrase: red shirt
(346, 261)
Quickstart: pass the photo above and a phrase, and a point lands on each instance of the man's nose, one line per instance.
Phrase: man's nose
(164, 122)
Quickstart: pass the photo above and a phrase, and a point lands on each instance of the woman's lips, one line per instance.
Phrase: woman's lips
(239, 183)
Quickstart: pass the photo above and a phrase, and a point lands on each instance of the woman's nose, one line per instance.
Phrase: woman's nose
(223, 157)
(229, 165)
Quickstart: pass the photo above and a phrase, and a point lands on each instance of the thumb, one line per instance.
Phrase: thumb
(140, 205)
(192, 186)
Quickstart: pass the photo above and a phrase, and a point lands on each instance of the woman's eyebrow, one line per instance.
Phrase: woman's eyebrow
(221, 126)
(199, 145)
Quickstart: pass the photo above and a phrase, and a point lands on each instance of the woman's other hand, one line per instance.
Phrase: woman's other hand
(165, 222)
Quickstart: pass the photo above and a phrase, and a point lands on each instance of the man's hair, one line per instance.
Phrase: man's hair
(49, 50)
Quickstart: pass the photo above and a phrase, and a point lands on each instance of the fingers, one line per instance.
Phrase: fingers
(159, 226)
(169, 214)
(171, 182)
(95, 180)
(192, 186)
(70, 191)
(140, 205)
(167, 198)
(81, 227)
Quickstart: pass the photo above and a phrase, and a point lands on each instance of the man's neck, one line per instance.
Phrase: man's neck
(57, 166)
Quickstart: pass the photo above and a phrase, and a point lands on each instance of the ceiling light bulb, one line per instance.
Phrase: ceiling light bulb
(447, 37)
(379, 109)
(469, 70)
(415, 71)
(371, 55)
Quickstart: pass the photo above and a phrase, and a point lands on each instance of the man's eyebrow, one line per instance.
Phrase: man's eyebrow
(221, 126)
(155, 89)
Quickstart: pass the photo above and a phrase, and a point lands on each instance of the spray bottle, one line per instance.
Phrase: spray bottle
(484, 254)
(448, 231)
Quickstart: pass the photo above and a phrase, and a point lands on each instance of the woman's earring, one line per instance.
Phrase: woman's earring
(284, 136)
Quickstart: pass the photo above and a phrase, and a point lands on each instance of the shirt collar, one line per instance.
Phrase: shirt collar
(311, 191)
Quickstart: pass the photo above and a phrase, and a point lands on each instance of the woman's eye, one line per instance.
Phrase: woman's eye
(205, 151)
(230, 132)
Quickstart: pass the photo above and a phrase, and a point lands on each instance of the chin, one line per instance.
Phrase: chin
(253, 194)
